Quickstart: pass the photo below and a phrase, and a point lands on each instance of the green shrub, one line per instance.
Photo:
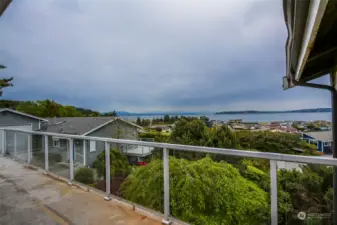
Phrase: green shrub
(84, 175)
(119, 165)
(201, 192)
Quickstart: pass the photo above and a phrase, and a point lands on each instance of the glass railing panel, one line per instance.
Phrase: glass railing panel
(80, 147)
(305, 193)
(58, 156)
(90, 160)
(127, 175)
(21, 152)
(9, 144)
(38, 151)
(145, 176)
(219, 189)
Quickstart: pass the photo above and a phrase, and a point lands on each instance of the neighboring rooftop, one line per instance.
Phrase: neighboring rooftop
(321, 135)
(21, 113)
(311, 45)
(79, 125)
(76, 125)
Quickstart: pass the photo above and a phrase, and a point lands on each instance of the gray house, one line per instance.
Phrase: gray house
(86, 152)
(10, 118)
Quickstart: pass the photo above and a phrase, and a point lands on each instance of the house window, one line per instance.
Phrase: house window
(327, 144)
(92, 146)
(56, 143)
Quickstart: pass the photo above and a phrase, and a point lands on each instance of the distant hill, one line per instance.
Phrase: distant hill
(284, 111)
(47, 108)
(123, 113)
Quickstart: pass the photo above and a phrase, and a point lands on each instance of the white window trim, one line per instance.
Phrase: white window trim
(58, 143)
(92, 146)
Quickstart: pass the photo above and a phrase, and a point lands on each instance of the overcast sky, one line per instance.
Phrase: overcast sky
(150, 55)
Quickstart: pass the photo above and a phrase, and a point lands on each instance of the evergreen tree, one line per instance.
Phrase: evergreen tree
(5, 82)
(138, 122)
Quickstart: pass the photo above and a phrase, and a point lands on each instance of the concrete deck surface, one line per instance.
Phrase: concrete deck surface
(28, 197)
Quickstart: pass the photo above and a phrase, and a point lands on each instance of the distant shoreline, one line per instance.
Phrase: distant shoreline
(318, 110)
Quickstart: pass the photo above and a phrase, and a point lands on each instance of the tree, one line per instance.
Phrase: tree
(309, 191)
(201, 192)
(189, 132)
(118, 164)
(195, 132)
(266, 141)
(166, 119)
(139, 122)
(50, 108)
(5, 82)
(110, 113)
(9, 104)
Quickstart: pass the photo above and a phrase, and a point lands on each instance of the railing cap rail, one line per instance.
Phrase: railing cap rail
(211, 150)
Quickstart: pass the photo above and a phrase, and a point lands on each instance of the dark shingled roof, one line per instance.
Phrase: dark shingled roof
(75, 125)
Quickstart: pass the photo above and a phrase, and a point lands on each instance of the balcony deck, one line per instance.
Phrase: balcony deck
(50, 199)
(29, 197)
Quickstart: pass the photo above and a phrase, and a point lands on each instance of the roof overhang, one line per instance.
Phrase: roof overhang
(311, 47)
(3, 5)
(21, 113)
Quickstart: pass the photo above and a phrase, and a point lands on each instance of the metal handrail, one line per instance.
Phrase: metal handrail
(212, 150)
(272, 157)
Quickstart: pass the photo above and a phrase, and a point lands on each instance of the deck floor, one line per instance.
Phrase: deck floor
(31, 198)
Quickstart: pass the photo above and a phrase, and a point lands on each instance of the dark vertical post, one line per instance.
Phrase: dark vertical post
(334, 140)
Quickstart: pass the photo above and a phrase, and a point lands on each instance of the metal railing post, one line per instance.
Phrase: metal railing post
(84, 152)
(46, 159)
(3, 142)
(29, 148)
(71, 160)
(107, 171)
(15, 145)
(273, 192)
(166, 187)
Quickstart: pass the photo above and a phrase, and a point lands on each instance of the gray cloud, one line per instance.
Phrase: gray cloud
(150, 55)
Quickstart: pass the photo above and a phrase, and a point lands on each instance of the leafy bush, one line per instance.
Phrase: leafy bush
(84, 175)
(309, 190)
(118, 164)
(201, 192)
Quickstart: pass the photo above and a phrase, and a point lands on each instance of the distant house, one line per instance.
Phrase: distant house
(235, 121)
(249, 125)
(245, 125)
(108, 127)
(322, 139)
(238, 126)
(163, 128)
(325, 128)
(274, 126)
